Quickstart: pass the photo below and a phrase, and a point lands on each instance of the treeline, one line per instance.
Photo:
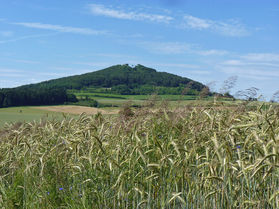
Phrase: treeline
(23, 96)
(130, 77)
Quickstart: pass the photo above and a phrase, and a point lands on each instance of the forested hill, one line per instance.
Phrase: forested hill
(118, 79)
(113, 76)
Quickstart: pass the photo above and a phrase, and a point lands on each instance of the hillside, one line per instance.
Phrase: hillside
(118, 79)
(117, 75)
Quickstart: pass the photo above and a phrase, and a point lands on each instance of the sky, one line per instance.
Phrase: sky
(205, 40)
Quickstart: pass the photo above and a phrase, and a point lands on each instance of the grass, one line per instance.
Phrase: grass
(24, 114)
(206, 157)
(108, 99)
(27, 114)
(114, 99)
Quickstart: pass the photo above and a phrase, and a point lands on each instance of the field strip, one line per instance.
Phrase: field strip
(71, 109)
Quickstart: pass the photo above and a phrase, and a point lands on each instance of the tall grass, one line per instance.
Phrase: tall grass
(188, 158)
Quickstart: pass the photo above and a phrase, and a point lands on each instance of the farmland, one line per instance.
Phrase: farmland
(119, 100)
(35, 113)
(140, 100)
(112, 102)
(206, 157)
(23, 114)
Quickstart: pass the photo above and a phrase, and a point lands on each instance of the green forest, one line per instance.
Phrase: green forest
(23, 96)
(121, 75)
(118, 79)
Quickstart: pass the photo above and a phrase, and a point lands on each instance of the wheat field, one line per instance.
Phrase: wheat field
(185, 158)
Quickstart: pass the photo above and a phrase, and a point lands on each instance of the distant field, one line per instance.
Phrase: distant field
(15, 114)
(132, 97)
(71, 109)
(119, 100)
(26, 114)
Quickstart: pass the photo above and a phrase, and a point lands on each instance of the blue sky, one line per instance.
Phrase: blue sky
(205, 40)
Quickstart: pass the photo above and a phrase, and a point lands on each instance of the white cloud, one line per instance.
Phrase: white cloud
(110, 55)
(212, 52)
(6, 33)
(251, 73)
(99, 9)
(197, 23)
(175, 65)
(198, 72)
(12, 75)
(232, 62)
(262, 57)
(259, 66)
(95, 64)
(62, 68)
(59, 28)
(166, 47)
(27, 61)
(179, 48)
(7, 70)
(27, 37)
(243, 62)
(71, 71)
(229, 28)
(51, 74)
(7, 83)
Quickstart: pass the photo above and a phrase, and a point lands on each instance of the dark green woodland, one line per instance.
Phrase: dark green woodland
(118, 79)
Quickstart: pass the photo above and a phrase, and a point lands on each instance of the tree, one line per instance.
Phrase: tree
(34, 96)
(2, 96)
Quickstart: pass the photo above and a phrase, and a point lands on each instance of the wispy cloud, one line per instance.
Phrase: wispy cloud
(243, 62)
(110, 55)
(27, 37)
(8, 83)
(228, 28)
(179, 48)
(252, 73)
(197, 23)
(262, 57)
(8, 70)
(95, 64)
(6, 33)
(27, 61)
(60, 28)
(199, 72)
(51, 74)
(71, 70)
(175, 65)
(11, 73)
(99, 9)
(166, 47)
(259, 66)
(211, 52)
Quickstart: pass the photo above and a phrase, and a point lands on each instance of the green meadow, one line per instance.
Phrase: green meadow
(141, 100)
(133, 97)
(24, 114)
